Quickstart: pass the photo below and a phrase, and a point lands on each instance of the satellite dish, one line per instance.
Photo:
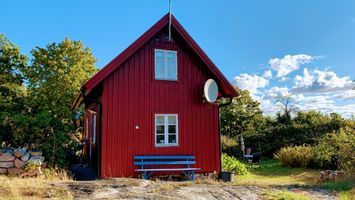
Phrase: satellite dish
(210, 90)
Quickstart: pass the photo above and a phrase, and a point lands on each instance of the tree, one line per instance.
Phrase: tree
(242, 116)
(12, 92)
(287, 107)
(56, 74)
(54, 78)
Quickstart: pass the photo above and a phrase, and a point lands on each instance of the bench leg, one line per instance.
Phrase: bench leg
(190, 175)
(146, 175)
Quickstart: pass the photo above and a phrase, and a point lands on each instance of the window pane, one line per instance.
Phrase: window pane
(159, 68)
(171, 55)
(159, 54)
(172, 119)
(160, 129)
(172, 128)
(172, 66)
(172, 139)
(159, 120)
(172, 71)
(160, 139)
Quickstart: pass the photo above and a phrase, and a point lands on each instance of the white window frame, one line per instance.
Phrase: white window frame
(165, 52)
(166, 130)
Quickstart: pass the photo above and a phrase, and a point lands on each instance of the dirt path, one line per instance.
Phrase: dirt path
(143, 189)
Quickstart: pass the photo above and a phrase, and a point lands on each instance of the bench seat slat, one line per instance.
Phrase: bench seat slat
(165, 163)
(164, 170)
(163, 157)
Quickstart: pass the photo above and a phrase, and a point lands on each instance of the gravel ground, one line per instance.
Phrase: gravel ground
(124, 188)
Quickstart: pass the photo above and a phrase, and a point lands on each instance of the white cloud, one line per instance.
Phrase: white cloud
(321, 81)
(321, 90)
(283, 79)
(289, 63)
(322, 103)
(346, 95)
(250, 82)
(327, 105)
(276, 92)
(267, 74)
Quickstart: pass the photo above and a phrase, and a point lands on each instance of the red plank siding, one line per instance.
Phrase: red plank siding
(131, 97)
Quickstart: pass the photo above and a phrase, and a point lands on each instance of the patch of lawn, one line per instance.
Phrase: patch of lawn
(345, 187)
(271, 173)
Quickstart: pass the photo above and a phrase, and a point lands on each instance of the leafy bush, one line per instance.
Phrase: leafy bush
(230, 147)
(296, 156)
(231, 164)
(304, 128)
(337, 150)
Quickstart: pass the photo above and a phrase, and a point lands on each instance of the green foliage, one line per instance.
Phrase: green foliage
(231, 164)
(297, 156)
(56, 74)
(335, 150)
(304, 128)
(242, 116)
(230, 146)
(39, 115)
(54, 78)
(30, 166)
(12, 93)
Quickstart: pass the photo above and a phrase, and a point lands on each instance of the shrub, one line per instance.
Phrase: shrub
(230, 146)
(295, 156)
(231, 164)
(336, 150)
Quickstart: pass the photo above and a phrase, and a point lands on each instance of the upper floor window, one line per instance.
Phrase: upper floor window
(165, 65)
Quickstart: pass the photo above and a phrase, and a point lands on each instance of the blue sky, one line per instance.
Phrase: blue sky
(244, 39)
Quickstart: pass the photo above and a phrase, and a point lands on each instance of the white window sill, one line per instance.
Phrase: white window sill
(166, 145)
(161, 79)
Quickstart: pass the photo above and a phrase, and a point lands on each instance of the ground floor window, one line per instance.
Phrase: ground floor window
(166, 130)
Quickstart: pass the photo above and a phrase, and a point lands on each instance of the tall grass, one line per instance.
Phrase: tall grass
(35, 188)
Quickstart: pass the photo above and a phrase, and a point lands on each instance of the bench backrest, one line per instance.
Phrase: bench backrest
(164, 160)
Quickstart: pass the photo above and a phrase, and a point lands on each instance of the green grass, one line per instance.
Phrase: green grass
(272, 174)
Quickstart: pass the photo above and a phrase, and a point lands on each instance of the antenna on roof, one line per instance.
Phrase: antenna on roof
(170, 2)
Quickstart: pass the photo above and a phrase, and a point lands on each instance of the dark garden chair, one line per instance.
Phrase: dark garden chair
(248, 156)
(256, 159)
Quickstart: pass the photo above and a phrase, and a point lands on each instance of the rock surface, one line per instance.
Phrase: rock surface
(38, 160)
(25, 157)
(125, 188)
(6, 157)
(3, 170)
(14, 171)
(6, 164)
(13, 161)
(19, 163)
(18, 153)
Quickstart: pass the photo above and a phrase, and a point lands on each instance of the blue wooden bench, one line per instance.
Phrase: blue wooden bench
(147, 164)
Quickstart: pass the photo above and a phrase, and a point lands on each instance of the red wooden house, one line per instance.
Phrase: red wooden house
(149, 101)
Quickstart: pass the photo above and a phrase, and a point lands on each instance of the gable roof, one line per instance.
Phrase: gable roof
(227, 89)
